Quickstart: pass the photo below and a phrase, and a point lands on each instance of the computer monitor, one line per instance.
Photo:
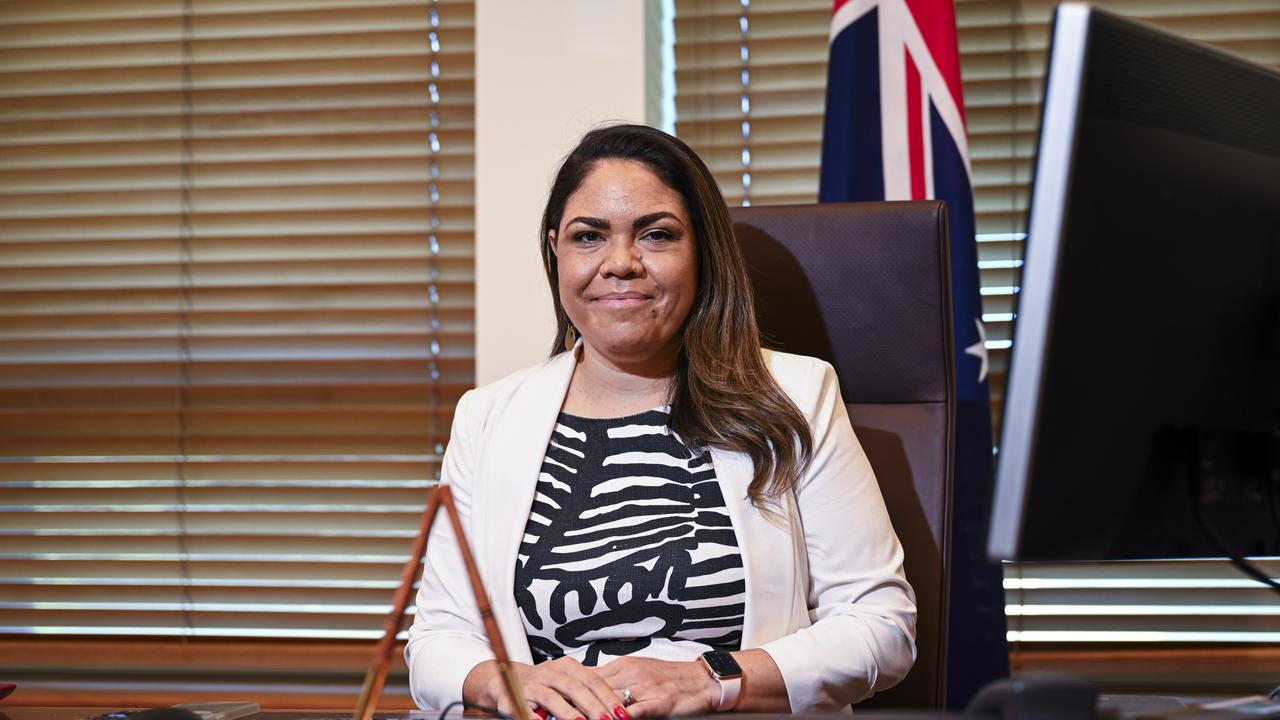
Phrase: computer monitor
(1144, 383)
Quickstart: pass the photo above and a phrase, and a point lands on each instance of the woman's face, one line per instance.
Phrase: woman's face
(627, 262)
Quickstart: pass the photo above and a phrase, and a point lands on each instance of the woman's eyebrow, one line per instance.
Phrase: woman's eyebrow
(651, 218)
(597, 223)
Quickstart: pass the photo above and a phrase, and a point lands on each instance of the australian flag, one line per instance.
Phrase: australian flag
(895, 130)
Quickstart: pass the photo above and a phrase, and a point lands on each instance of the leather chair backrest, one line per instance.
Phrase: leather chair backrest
(866, 287)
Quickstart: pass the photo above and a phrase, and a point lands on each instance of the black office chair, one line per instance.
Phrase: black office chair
(867, 287)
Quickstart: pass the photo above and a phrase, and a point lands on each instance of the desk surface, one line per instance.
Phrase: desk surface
(78, 713)
(1119, 705)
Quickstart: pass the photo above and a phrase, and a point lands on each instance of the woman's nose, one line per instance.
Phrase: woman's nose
(623, 260)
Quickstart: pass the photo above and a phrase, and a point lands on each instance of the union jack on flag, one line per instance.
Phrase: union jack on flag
(895, 130)
(893, 92)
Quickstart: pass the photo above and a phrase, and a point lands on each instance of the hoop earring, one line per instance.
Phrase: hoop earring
(570, 338)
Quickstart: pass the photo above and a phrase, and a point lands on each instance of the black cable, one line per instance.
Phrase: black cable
(1270, 492)
(469, 706)
(1197, 508)
(1272, 482)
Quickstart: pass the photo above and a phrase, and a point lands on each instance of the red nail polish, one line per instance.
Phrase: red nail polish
(542, 713)
(620, 713)
(605, 717)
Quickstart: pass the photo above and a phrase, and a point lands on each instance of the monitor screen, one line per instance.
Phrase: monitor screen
(1144, 381)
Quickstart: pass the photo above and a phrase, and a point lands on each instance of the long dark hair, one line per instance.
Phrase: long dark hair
(723, 396)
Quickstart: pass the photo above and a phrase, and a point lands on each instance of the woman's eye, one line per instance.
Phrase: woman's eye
(587, 236)
(658, 235)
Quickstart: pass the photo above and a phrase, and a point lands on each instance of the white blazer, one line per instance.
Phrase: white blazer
(826, 596)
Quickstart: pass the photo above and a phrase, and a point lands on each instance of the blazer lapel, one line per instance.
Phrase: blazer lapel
(511, 461)
(767, 548)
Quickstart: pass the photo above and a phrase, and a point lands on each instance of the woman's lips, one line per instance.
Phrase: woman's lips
(623, 299)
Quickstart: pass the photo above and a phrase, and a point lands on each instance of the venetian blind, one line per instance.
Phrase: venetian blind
(236, 308)
(750, 91)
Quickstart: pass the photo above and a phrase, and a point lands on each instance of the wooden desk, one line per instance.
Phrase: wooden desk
(78, 713)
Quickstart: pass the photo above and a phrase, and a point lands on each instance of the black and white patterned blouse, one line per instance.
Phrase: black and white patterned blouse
(628, 547)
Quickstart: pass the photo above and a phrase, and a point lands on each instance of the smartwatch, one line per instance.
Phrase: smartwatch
(725, 671)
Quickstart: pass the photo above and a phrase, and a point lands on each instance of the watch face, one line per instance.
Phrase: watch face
(722, 664)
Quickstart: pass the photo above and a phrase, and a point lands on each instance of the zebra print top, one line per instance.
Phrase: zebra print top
(628, 548)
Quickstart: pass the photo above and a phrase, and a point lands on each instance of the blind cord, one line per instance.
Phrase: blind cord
(433, 238)
(185, 307)
(744, 55)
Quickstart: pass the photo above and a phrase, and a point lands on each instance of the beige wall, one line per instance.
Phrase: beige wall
(546, 72)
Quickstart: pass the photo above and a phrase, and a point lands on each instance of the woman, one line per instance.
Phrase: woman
(660, 488)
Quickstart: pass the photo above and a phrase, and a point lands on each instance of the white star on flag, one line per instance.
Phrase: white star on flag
(979, 350)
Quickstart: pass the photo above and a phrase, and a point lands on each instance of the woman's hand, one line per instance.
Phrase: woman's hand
(663, 687)
(563, 687)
